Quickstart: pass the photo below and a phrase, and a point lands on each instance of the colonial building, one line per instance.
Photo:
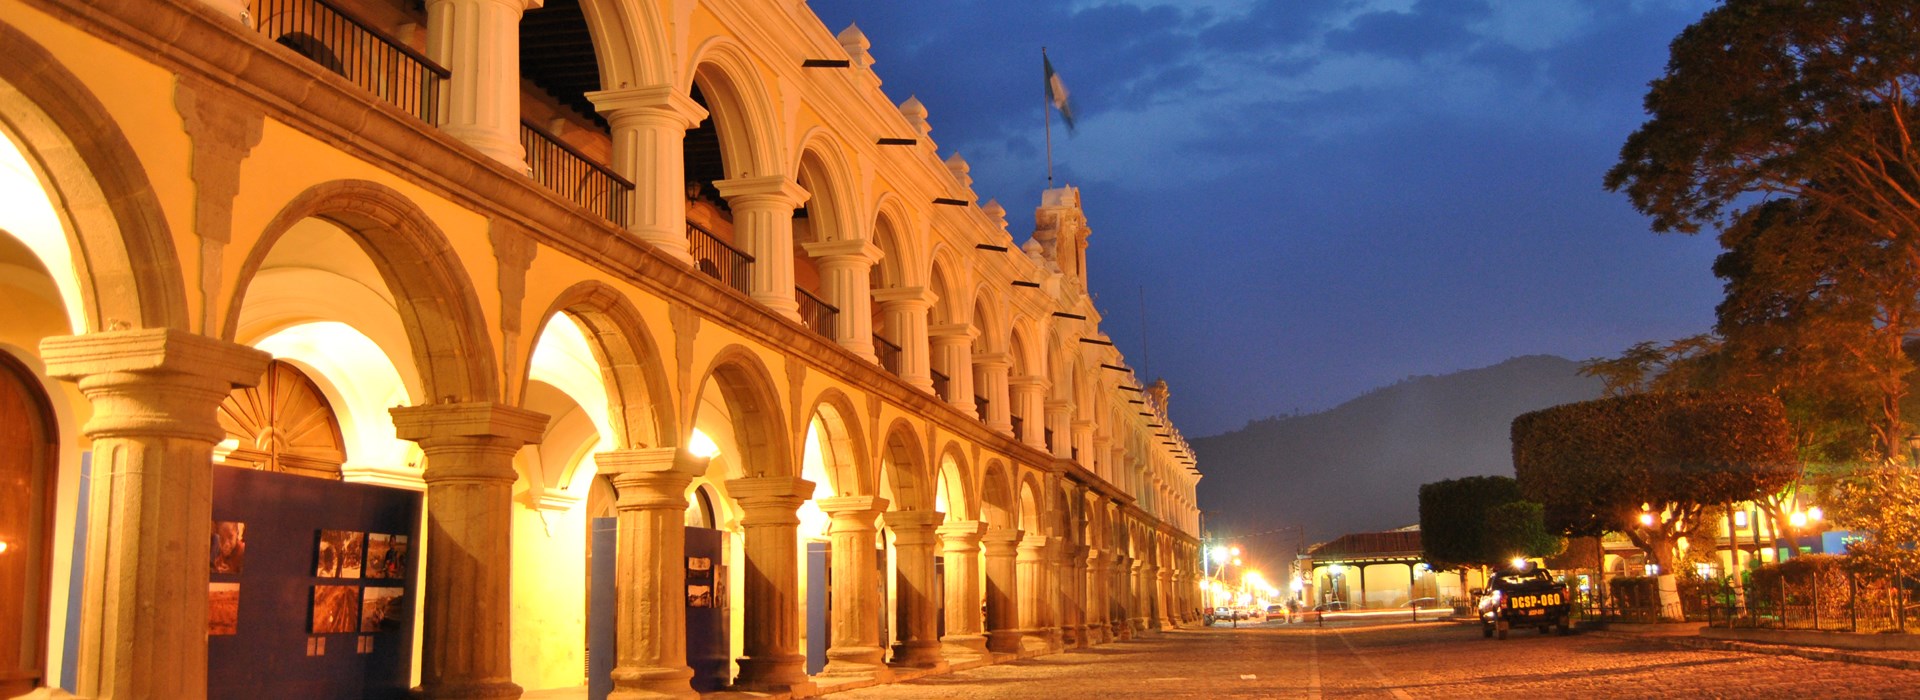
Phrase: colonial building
(674, 275)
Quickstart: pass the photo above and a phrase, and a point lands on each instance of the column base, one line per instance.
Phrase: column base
(857, 662)
(486, 690)
(1004, 641)
(786, 673)
(963, 645)
(671, 243)
(1036, 642)
(1139, 624)
(917, 654)
(651, 682)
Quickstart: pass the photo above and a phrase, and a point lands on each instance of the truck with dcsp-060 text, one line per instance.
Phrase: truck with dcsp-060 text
(1525, 598)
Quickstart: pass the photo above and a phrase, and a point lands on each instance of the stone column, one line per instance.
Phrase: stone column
(1095, 602)
(479, 42)
(845, 269)
(1141, 607)
(1083, 442)
(1060, 421)
(649, 145)
(469, 448)
(953, 344)
(965, 639)
(991, 381)
(1035, 594)
(1167, 619)
(1120, 604)
(917, 596)
(1026, 392)
(763, 223)
(906, 309)
(1073, 569)
(856, 650)
(1003, 590)
(154, 395)
(650, 578)
(773, 661)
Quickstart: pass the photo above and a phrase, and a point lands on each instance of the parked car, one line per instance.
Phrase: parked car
(1524, 599)
(1276, 612)
(1223, 613)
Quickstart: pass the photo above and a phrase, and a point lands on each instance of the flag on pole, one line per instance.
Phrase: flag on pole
(1057, 92)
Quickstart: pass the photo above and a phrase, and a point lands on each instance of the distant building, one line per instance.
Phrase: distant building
(1379, 570)
(683, 264)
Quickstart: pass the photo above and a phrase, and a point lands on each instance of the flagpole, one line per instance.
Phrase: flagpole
(1046, 121)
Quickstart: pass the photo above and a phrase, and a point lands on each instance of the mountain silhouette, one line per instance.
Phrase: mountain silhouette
(1358, 467)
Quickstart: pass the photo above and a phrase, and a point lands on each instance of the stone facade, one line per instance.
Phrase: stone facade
(527, 320)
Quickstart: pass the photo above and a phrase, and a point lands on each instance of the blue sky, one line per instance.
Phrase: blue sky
(1320, 197)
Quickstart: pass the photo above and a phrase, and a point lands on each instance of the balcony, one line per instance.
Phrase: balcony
(941, 384)
(719, 259)
(573, 175)
(980, 407)
(1019, 429)
(332, 37)
(888, 353)
(816, 313)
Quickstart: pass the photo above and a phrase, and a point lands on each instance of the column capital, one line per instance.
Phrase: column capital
(852, 504)
(661, 100)
(1027, 381)
(770, 500)
(1002, 536)
(160, 382)
(850, 250)
(650, 478)
(473, 419)
(952, 332)
(993, 361)
(779, 189)
(963, 529)
(909, 298)
(1059, 405)
(903, 521)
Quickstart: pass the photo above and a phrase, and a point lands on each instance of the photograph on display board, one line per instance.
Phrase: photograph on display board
(229, 547)
(699, 596)
(336, 609)
(699, 569)
(223, 609)
(386, 555)
(380, 609)
(339, 554)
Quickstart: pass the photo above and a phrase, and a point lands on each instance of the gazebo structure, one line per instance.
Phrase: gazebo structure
(1375, 570)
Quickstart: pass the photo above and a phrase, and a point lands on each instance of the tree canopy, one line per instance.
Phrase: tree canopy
(1480, 521)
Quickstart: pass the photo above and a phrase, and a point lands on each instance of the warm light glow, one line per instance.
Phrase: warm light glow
(1236, 561)
(1815, 514)
(3, 547)
(1520, 563)
(1295, 584)
(1234, 551)
(1646, 519)
(1798, 519)
(1219, 555)
(699, 445)
(1740, 518)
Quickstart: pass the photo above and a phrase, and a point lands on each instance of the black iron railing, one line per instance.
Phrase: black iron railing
(888, 353)
(940, 383)
(332, 37)
(1019, 428)
(1048, 438)
(573, 175)
(816, 313)
(980, 407)
(715, 257)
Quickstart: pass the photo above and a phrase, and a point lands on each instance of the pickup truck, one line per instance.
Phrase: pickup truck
(1524, 599)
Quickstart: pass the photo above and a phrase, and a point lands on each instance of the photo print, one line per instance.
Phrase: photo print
(336, 609)
(339, 554)
(223, 609)
(386, 555)
(229, 547)
(380, 608)
(699, 596)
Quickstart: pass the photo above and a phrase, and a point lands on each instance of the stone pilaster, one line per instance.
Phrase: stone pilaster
(1095, 603)
(846, 282)
(990, 375)
(1165, 595)
(1036, 596)
(1027, 394)
(1060, 421)
(479, 42)
(1140, 601)
(1083, 442)
(906, 311)
(469, 448)
(154, 393)
(1120, 605)
(773, 661)
(1003, 589)
(966, 638)
(953, 344)
(1103, 455)
(649, 140)
(763, 223)
(1073, 623)
(856, 650)
(650, 579)
(917, 596)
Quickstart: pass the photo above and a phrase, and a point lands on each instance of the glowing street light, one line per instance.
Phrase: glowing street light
(1646, 519)
(1519, 563)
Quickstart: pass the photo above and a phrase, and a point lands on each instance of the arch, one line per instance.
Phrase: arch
(629, 43)
(630, 364)
(997, 504)
(128, 270)
(1031, 505)
(956, 482)
(436, 300)
(753, 405)
(842, 449)
(893, 234)
(986, 317)
(903, 469)
(821, 168)
(945, 279)
(739, 106)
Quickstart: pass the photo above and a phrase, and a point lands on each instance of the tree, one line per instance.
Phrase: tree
(1456, 525)
(1649, 465)
(1519, 528)
(1884, 505)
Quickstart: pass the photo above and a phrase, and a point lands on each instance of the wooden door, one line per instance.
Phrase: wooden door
(27, 473)
(284, 424)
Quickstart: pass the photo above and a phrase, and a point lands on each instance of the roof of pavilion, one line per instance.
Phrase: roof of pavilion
(1392, 546)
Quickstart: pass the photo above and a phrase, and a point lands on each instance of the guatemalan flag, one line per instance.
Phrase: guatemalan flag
(1057, 93)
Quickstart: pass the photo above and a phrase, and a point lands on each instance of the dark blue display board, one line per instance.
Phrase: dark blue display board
(602, 616)
(819, 565)
(273, 652)
(708, 647)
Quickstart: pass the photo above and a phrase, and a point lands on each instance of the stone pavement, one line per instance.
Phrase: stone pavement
(1406, 660)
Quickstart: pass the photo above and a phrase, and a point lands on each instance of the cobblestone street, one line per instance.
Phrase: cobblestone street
(1404, 660)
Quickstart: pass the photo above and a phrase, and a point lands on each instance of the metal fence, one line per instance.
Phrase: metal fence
(1830, 599)
(816, 313)
(331, 36)
(718, 259)
(573, 175)
(889, 354)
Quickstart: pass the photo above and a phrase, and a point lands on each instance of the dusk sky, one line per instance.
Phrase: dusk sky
(1320, 197)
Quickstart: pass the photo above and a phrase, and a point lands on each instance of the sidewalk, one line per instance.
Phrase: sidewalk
(1689, 635)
